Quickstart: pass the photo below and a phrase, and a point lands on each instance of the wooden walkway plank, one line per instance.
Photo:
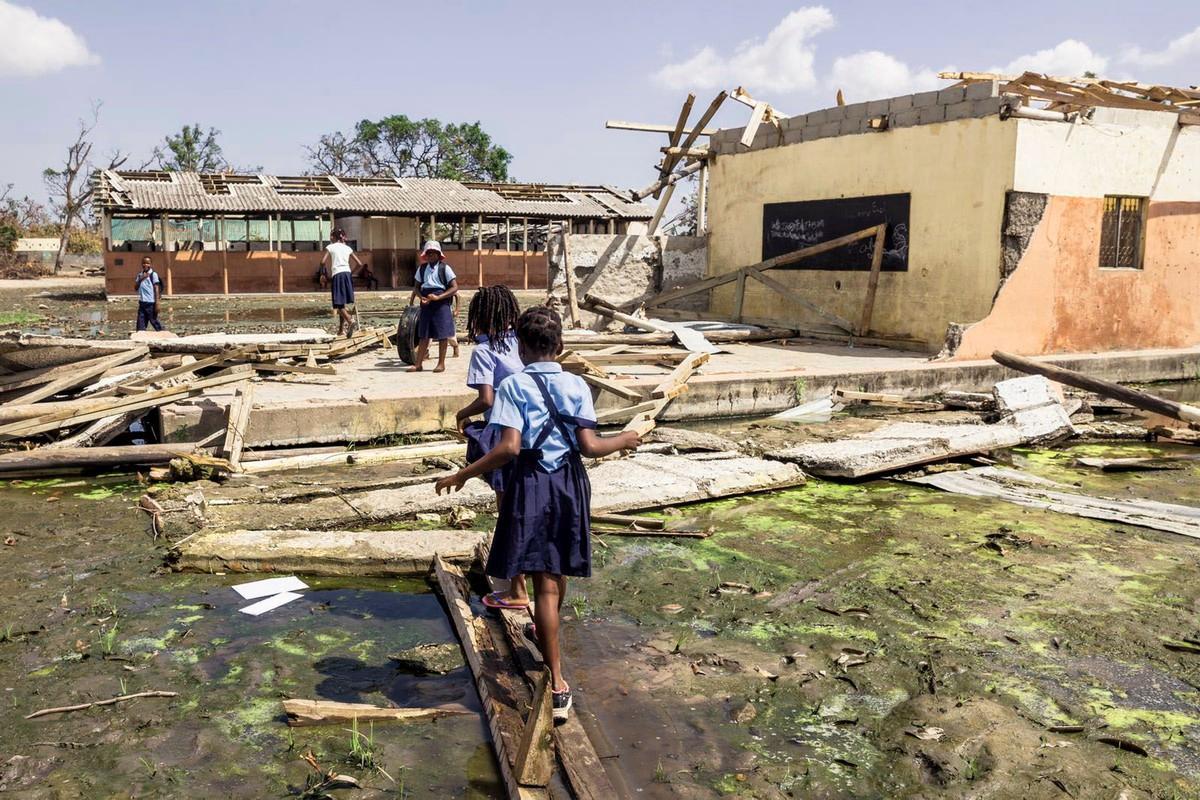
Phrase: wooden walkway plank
(585, 772)
(499, 690)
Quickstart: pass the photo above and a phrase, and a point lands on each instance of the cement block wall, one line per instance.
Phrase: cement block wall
(923, 108)
(957, 175)
(625, 270)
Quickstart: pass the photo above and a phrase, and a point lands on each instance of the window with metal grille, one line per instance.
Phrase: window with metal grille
(1121, 232)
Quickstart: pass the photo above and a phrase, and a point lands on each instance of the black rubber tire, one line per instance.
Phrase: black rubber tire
(406, 335)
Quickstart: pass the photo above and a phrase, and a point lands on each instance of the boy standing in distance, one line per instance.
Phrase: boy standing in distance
(149, 289)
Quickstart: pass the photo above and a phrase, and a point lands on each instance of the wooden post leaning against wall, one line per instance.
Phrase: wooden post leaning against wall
(868, 309)
(702, 202)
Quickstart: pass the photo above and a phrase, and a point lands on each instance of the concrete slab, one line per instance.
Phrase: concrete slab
(372, 395)
(371, 553)
(644, 480)
(1017, 487)
(899, 446)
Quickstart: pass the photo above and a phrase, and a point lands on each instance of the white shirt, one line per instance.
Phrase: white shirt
(339, 257)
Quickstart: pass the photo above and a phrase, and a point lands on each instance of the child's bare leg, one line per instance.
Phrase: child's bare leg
(341, 320)
(441, 365)
(454, 345)
(419, 360)
(518, 591)
(548, 591)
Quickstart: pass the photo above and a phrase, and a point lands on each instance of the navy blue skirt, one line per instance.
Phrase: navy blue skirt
(481, 438)
(545, 520)
(342, 288)
(437, 318)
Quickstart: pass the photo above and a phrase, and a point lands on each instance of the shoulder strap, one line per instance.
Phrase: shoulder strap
(442, 274)
(556, 420)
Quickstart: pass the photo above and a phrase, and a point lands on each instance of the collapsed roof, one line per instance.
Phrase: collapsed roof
(231, 193)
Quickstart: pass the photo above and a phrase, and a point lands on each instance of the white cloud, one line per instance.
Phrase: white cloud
(1176, 50)
(1069, 58)
(782, 62)
(31, 44)
(872, 74)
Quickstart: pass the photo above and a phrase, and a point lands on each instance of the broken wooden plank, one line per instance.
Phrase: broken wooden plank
(183, 369)
(888, 400)
(331, 553)
(302, 713)
(648, 127)
(649, 356)
(620, 390)
(47, 460)
(87, 411)
(237, 424)
(581, 764)
(680, 375)
(1138, 464)
(1035, 492)
(569, 276)
(494, 679)
(1176, 434)
(374, 455)
(792, 296)
(868, 309)
(98, 433)
(535, 753)
(295, 369)
(618, 414)
(1143, 400)
(81, 374)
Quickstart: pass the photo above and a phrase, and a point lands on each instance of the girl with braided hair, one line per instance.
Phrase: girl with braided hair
(491, 320)
(546, 423)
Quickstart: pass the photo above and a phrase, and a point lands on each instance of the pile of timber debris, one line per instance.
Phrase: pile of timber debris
(60, 415)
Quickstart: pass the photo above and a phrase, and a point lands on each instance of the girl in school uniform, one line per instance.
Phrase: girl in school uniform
(547, 423)
(492, 321)
(337, 258)
(434, 286)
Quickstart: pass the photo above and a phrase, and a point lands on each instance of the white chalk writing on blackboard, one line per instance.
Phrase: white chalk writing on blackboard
(798, 230)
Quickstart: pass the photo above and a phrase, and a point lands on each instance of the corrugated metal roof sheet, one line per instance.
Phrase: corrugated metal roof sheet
(186, 192)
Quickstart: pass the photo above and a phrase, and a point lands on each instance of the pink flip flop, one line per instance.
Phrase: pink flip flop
(496, 600)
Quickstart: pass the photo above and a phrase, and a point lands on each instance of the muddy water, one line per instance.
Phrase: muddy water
(74, 311)
(803, 650)
(90, 616)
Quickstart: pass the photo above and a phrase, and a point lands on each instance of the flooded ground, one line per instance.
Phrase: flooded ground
(835, 640)
(78, 307)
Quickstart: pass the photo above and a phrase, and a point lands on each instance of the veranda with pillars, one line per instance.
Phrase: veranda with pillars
(279, 253)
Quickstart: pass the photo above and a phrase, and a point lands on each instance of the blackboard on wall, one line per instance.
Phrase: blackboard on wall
(788, 227)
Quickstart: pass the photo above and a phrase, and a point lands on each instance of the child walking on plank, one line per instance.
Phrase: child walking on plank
(546, 423)
(492, 321)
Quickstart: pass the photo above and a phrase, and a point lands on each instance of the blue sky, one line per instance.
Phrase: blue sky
(542, 77)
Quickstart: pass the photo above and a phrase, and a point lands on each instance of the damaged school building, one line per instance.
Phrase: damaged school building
(229, 233)
(1069, 228)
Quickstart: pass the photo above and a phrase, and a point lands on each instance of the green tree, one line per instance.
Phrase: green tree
(192, 150)
(399, 147)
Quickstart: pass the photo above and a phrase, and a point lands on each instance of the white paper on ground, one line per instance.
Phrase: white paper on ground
(269, 586)
(275, 601)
